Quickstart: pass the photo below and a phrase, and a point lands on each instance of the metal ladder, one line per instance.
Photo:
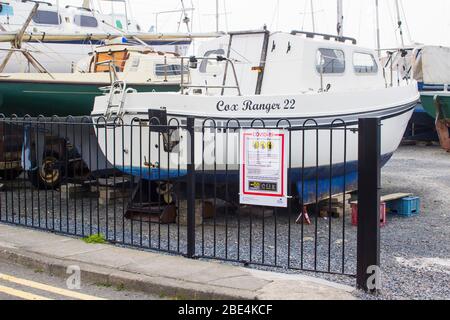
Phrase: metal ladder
(118, 87)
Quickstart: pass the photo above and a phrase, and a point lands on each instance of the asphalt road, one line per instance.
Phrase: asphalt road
(20, 283)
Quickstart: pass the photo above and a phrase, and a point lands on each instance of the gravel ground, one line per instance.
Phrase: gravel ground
(415, 251)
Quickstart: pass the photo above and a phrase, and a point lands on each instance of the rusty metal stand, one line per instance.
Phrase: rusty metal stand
(442, 125)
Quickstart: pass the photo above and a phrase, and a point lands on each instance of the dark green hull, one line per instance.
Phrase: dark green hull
(61, 99)
(430, 107)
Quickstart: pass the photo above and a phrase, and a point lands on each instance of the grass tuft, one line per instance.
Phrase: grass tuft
(95, 239)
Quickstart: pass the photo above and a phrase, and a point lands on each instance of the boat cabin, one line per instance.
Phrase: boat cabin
(132, 60)
(260, 62)
(51, 17)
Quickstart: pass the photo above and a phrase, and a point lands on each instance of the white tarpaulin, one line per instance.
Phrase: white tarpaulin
(432, 65)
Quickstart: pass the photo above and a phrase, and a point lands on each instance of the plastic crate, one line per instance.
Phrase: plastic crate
(383, 216)
(408, 206)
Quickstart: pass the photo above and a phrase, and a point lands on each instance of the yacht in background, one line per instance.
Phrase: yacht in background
(88, 19)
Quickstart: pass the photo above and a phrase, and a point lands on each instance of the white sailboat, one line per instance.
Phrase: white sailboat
(88, 19)
(300, 76)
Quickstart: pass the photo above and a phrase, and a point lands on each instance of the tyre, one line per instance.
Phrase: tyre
(49, 175)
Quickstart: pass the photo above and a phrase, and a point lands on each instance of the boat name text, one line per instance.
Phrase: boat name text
(249, 105)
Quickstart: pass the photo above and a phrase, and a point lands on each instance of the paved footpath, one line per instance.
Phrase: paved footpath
(157, 274)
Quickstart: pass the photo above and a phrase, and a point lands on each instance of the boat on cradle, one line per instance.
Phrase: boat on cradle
(64, 94)
(430, 67)
(439, 103)
(278, 77)
(88, 24)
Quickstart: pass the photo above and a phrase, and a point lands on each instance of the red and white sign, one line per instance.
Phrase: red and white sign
(263, 169)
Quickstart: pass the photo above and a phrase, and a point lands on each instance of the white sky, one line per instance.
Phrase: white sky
(427, 21)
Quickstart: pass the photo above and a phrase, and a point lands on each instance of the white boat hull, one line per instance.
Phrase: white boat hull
(137, 149)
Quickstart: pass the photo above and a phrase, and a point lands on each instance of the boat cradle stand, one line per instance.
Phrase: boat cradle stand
(442, 125)
(144, 206)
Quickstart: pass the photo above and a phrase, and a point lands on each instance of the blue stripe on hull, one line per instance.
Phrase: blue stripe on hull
(430, 86)
(313, 184)
(154, 174)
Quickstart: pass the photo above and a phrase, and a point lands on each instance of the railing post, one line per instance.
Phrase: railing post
(369, 182)
(190, 186)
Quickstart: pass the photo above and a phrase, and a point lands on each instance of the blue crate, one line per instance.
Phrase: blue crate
(408, 206)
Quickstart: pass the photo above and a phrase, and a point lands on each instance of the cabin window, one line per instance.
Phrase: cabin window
(162, 70)
(210, 66)
(85, 21)
(47, 17)
(330, 61)
(364, 63)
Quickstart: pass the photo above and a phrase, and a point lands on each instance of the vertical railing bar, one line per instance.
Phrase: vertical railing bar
(369, 179)
(141, 176)
(17, 181)
(226, 189)
(149, 191)
(331, 194)
(215, 188)
(106, 187)
(89, 126)
(316, 218)
(37, 164)
(168, 180)
(24, 184)
(344, 198)
(74, 179)
(191, 189)
(159, 182)
(82, 176)
(203, 187)
(114, 182)
(123, 126)
(132, 174)
(66, 167)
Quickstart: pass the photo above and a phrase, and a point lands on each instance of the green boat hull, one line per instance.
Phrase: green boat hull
(61, 99)
(430, 107)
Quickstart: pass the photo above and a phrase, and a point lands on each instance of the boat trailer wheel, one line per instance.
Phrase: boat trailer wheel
(49, 173)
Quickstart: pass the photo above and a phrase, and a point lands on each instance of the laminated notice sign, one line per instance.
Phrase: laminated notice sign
(263, 169)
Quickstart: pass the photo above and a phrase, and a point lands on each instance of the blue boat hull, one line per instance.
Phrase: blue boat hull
(311, 184)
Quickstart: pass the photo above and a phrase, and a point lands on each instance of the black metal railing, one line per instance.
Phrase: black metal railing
(173, 185)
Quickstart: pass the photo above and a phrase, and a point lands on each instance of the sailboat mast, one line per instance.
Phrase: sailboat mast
(400, 23)
(312, 16)
(217, 15)
(377, 8)
(340, 15)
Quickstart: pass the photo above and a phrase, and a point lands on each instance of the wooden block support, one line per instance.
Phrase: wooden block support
(108, 194)
(203, 210)
(71, 191)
